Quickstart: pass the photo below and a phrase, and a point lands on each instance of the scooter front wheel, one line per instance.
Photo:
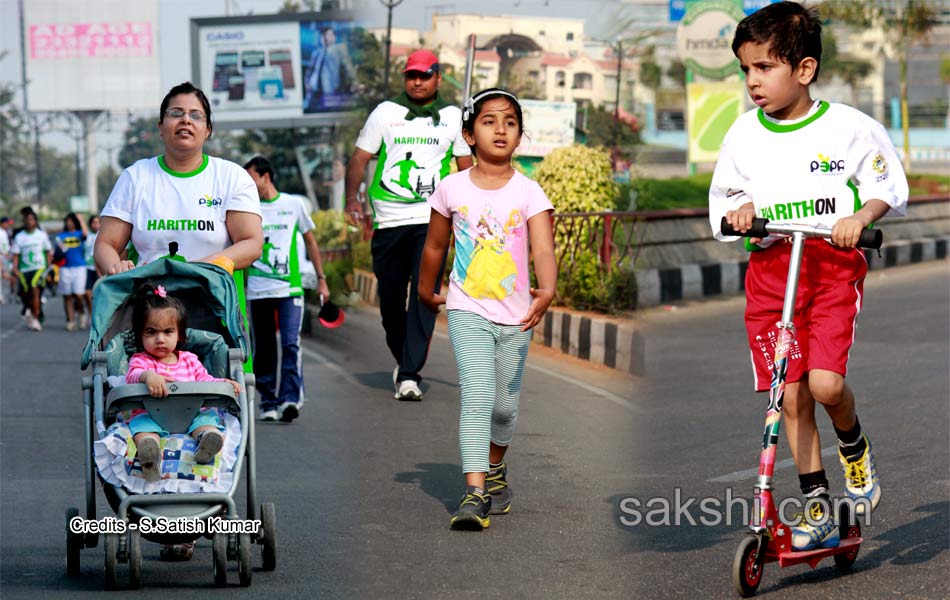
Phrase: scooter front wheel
(748, 566)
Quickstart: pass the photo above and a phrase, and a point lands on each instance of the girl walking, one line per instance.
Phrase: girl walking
(500, 219)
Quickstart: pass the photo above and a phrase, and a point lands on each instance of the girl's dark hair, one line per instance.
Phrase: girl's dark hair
(473, 107)
(792, 32)
(146, 300)
(186, 88)
(91, 217)
(71, 217)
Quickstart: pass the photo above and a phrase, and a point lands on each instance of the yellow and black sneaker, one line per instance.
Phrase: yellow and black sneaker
(473, 512)
(496, 483)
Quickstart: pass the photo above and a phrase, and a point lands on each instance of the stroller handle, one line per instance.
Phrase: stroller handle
(870, 238)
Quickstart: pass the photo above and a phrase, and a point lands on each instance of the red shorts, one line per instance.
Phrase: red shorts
(830, 291)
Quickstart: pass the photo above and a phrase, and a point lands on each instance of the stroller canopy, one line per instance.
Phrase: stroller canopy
(207, 291)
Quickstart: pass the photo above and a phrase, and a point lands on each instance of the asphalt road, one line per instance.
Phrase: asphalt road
(364, 485)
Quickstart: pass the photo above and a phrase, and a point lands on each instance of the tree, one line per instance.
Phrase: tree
(677, 72)
(141, 141)
(16, 163)
(902, 22)
(945, 78)
(602, 128)
(852, 71)
(650, 73)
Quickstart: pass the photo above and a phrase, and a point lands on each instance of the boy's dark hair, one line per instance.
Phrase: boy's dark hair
(262, 166)
(149, 297)
(186, 88)
(792, 32)
(473, 107)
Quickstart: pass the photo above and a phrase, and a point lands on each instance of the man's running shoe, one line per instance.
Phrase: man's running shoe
(473, 512)
(288, 412)
(34, 324)
(819, 531)
(860, 479)
(84, 321)
(408, 390)
(496, 483)
(269, 415)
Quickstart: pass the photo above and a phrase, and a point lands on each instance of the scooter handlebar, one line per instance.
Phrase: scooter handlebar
(870, 238)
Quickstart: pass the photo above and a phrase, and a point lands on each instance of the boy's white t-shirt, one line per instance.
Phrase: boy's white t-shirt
(276, 274)
(811, 171)
(491, 274)
(189, 208)
(414, 156)
(32, 248)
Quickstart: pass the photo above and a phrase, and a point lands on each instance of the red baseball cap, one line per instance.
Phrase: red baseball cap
(423, 61)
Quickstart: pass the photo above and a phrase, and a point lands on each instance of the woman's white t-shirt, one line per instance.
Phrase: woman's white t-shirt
(165, 206)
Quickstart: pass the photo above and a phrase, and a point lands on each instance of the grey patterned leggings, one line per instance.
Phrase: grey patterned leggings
(490, 359)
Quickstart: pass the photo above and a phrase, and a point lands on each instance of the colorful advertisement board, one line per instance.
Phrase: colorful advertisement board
(547, 125)
(91, 54)
(287, 69)
(711, 109)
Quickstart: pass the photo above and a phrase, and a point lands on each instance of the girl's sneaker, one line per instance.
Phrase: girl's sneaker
(473, 512)
(818, 531)
(209, 444)
(860, 479)
(149, 453)
(496, 483)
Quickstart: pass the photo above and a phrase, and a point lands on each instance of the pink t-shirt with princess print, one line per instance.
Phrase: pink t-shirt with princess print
(490, 275)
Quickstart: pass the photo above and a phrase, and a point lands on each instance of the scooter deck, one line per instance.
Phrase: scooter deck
(813, 557)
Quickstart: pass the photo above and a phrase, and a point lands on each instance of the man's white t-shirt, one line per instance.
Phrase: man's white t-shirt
(165, 206)
(276, 274)
(811, 171)
(32, 248)
(414, 156)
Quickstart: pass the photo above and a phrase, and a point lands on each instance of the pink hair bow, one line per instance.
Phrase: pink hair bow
(160, 291)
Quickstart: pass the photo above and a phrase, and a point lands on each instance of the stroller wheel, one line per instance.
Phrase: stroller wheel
(135, 560)
(74, 543)
(219, 557)
(244, 559)
(110, 582)
(268, 536)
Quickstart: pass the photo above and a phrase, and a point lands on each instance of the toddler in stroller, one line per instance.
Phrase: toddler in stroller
(188, 500)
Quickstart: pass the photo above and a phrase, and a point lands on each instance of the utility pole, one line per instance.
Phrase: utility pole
(390, 5)
(617, 97)
(26, 110)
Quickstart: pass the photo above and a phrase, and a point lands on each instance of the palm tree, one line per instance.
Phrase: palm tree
(902, 22)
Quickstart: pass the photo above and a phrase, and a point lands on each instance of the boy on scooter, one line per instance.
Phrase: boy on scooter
(798, 160)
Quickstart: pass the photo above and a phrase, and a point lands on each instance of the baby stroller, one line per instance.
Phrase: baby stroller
(187, 503)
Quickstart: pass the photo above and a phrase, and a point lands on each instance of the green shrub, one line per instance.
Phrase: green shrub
(578, 179)
(587, 286)
(680, 192)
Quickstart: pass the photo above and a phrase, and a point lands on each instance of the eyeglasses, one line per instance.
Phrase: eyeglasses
(177, 113)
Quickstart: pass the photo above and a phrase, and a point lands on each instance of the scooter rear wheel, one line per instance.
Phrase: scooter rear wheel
(748, 566)
(845, 560)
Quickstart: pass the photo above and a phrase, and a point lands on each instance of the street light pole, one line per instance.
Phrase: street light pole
(617, 97)
(390, 5)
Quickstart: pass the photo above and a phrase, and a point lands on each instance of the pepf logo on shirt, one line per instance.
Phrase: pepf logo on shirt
(210, 202)
(825, 164)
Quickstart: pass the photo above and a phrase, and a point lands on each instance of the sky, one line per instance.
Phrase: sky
(174, 36)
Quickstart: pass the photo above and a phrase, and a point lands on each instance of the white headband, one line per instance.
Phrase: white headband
(469, 105)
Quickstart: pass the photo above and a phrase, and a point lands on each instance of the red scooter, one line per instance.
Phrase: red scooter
(769, 539)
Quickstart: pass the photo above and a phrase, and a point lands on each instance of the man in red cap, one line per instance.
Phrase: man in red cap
(415, 135)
